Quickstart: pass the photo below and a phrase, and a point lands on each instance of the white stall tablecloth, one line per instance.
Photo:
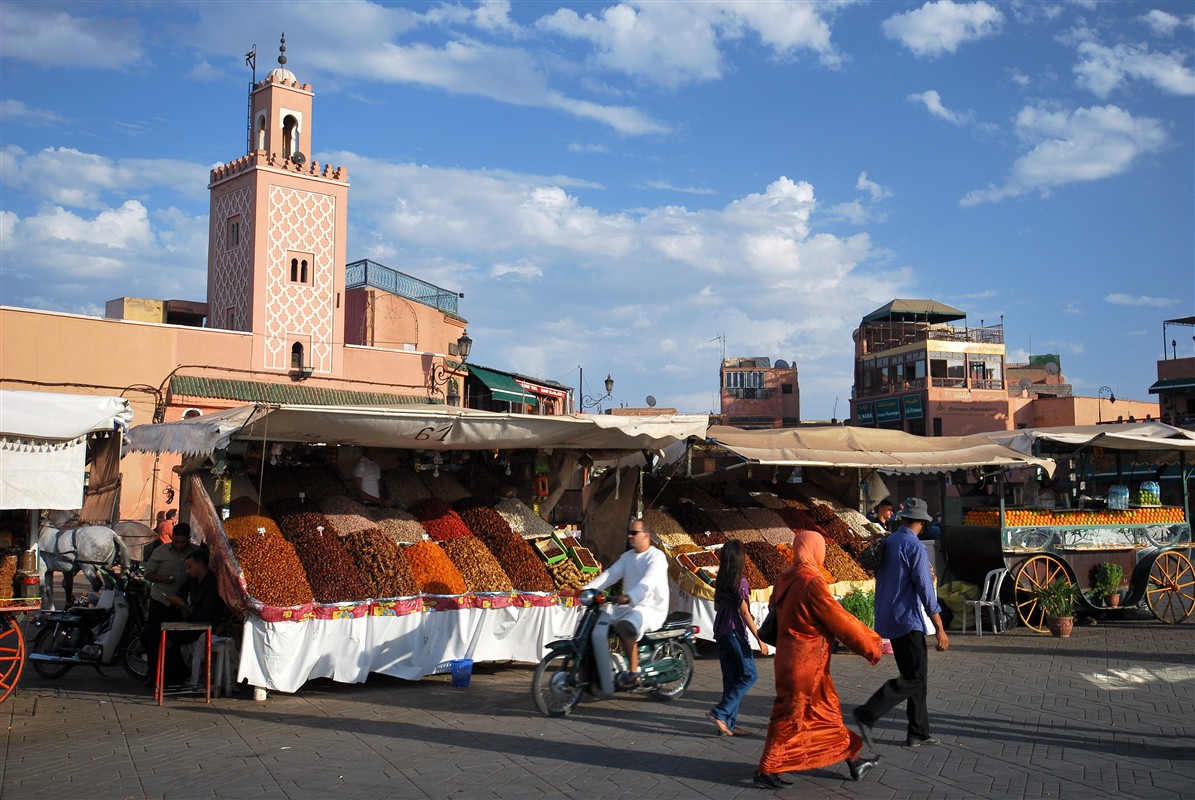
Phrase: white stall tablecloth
(282, 656)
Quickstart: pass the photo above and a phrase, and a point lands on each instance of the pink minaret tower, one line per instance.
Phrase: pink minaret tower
(276, 247)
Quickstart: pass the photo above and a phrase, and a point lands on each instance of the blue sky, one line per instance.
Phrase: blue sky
(619, 186)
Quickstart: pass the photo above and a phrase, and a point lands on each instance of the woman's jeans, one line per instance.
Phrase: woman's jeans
(738, 675)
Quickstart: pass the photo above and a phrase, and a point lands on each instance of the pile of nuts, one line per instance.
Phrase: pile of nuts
(404, 486)
(835, 529)
(399, 525)
(799, 520)
(770, 525)
(841, 565)
(522, 520)
(566, 575)
(768, 559)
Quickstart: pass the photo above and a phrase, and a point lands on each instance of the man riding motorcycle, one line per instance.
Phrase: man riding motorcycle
(643, 605)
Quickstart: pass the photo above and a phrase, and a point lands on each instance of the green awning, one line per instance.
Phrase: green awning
(1173, 385)
(503, 387)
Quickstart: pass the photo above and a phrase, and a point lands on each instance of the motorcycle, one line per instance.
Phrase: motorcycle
(585, 663)
(99, 630)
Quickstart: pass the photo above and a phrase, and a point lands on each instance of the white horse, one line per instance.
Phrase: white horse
(66, 549)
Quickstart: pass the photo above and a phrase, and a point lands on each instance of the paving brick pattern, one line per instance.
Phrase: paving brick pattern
(1108, 713)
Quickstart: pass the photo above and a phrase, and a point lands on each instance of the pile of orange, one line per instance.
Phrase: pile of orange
(1027, 517)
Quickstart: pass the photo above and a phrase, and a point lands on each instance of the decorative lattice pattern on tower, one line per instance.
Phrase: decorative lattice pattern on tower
(300, 221)
(230, 265)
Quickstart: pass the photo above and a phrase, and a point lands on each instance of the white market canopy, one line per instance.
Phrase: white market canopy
(868, 448)
(419, 427)
(43, 445)
(1153, 438)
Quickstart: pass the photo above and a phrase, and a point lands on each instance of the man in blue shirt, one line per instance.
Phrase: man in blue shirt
(905, 594)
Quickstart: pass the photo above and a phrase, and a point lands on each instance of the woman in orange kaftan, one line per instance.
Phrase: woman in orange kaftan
(806, 730)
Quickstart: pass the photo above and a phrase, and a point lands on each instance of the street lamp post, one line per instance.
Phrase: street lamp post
(594, 402)
(1099, 404)
(442, 376)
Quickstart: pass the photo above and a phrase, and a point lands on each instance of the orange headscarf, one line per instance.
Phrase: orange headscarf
(809, 549)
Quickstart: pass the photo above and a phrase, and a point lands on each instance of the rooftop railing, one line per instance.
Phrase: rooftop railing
(376, 276)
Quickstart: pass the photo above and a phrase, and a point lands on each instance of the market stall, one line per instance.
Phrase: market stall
(1091, 521)
(815, 477)
(317, 577)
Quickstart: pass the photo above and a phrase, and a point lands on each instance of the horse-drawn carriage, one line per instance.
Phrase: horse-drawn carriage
(1105, 523)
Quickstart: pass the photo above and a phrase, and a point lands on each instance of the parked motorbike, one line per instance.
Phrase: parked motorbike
(585, 663)
(99, 630)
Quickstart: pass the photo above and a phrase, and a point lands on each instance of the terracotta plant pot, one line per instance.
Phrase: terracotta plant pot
(1061, 626)
(1112, 600)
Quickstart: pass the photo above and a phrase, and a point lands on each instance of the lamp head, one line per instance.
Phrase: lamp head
(464, 345)
(609, 384)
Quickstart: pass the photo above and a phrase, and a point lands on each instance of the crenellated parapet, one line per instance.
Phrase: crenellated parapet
(282, 80)
(260, 158)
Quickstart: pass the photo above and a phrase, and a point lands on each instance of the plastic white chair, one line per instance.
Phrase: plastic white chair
(989, 598)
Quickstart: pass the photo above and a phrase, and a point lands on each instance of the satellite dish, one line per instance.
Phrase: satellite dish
(1051, 368)
(651, 401)
(781, 364)
(298, 158)
(1026, 383)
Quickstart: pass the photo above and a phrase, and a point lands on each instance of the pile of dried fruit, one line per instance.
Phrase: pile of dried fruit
(244, 506)
(304, 524)
(799, 520)
(433, 571)
(768, 559)
(333, 575)
(734, 525)
(273, 573)
(522, 520)
(835, 529)
(439, 520)
(755, 578)
(477, 565)
(841, 565)
(383, 570)
(708, 539)
(768, 500)
(8, 576)
(666, 528)
(771, 526)
(691, 518)
(318, 482)
(236, 527)
(527, 571)
(404, 486)
(702, 558)
(446, 487)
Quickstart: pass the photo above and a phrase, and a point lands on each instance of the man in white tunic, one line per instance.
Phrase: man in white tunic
(367, 480)
(643, 604)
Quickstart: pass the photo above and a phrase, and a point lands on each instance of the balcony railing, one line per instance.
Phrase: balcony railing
(369, 273)
(885, 336)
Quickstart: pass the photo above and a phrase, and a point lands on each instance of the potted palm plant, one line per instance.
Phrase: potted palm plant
(1105, 582)
(1057, 601)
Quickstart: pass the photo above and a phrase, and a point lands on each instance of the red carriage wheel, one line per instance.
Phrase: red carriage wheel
(12, 655)
(1036, 572)
(1170, 592)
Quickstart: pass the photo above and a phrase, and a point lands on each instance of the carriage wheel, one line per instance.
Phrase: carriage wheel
(12, 655)
(1035, 573)
(1170, 592)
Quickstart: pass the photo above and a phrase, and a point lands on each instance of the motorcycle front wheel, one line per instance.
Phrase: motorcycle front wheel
(134, 660)
(553, 688)
(673, 649)
(44, 643)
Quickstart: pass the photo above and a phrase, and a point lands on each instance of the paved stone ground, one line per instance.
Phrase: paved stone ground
(1108, 713)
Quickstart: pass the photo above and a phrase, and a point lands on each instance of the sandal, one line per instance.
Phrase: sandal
(628, 680)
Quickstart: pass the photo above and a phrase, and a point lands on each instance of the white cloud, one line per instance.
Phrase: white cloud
(1165, 24)
(205, 72)
(69, 177)
(668, 187)
(941, 27)
(14, 112)
(580, 147)
(42, 34)
(1118, 299)
(1083, 145)
(674, 44)
(933, 103)
(877, 192)
(1102, 70)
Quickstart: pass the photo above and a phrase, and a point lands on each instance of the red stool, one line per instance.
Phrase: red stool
(160, 680)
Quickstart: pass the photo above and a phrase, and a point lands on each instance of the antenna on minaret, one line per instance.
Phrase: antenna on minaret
(251, 63)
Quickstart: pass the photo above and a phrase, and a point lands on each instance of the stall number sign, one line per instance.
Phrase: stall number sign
(864, 414)
(913, 408)
(888, 410)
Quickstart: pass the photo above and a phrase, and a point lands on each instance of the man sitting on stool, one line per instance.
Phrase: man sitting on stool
(198, 600)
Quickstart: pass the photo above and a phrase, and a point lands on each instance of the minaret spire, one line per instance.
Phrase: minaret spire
(282, 51)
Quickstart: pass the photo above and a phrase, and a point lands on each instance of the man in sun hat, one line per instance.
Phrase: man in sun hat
(905, 595)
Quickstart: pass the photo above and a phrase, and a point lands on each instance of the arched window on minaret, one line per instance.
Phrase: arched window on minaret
(259, 133)
(303, 271)
(290, 136)
(294, 270)
(296, 356)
